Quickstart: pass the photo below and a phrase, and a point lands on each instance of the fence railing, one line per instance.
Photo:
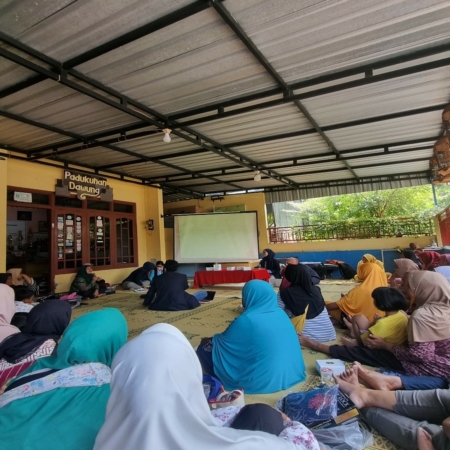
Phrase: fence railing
(382, 228)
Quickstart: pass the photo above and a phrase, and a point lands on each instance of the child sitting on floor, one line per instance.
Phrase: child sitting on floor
(23, 299)
(392, 327)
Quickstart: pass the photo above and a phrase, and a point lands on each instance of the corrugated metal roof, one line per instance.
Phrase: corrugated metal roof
(22, 136)
(265, 122)
(308, 38)
(395, 130)
(393, 169)
(53, 104)
(322, 166)
(386, 97)
(199, 60)
(65, 28)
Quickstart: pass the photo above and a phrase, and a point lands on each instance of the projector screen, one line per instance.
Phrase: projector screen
(216, 237)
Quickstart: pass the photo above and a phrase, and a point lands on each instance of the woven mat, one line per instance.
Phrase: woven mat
(206, 321)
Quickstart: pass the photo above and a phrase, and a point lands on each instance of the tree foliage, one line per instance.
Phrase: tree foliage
(410, 202)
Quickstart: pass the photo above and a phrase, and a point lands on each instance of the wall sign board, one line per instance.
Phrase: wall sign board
(84, 185)
(24, 197)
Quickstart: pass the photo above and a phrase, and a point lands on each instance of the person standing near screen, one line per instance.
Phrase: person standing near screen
(167, 291)
(270, 263)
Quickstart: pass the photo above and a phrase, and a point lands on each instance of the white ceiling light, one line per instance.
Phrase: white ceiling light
(257, 176)
(166, 137)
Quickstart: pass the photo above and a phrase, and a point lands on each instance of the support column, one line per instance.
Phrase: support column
(3, 212)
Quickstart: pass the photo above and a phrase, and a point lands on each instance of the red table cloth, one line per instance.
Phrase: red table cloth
(204, 277)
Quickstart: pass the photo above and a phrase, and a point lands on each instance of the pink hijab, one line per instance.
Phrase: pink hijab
(430, 321)
(7, 311)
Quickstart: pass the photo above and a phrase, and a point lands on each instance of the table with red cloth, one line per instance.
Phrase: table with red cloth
(206, 277)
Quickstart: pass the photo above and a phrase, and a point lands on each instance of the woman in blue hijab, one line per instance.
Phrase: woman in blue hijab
(60, 401)
(270, 263)
(259, 351)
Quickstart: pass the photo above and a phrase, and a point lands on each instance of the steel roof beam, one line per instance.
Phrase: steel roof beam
(347, 182)
(353, 182)
(21, 85)
(245, 39)
(67, 163)
(292, 162)
(108, 146)
(107, 133)
(361, 70)
(146, 115)
(316, 93)
(313, 172)
(342, 125)
(138, 33)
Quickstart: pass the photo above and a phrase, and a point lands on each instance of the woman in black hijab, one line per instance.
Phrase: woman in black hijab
(270, 263)
(304, 304)
(409, 254)
(44, 326)
(6, 278)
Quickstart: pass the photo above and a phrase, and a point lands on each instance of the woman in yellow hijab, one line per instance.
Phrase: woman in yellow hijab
(368, 258)
(359, 299)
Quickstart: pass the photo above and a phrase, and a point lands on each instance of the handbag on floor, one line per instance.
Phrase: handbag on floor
(225, 399)
(218, 397)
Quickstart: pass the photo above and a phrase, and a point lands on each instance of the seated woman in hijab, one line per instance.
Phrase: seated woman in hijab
(402, 266)
(270, 263)
(67, 391)
(430, 260)
(139, 278)
(45, 324)
(7, 310)
(259, 350)
(359, 299)
(368, 258)
(293, 261)
(86, 282)
(179, 417)
(427, 353)
(303, 303)
(409, 254)
(20, 279)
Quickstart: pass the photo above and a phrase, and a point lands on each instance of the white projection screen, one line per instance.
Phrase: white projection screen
(216, 237)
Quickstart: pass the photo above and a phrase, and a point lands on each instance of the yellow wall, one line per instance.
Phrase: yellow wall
(148, 201)
(256, 202)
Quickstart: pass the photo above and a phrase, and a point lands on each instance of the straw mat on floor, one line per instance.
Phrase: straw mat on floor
(204, 321)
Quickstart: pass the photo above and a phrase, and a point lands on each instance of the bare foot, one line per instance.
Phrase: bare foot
(350, 376)
(375, 380)
(349, 342)
(424, 440)
(446, 427)
(354, 391)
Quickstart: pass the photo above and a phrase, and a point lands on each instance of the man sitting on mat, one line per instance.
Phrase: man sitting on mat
(167, 292)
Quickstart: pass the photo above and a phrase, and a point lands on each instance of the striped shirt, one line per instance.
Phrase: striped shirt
(319, 329)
